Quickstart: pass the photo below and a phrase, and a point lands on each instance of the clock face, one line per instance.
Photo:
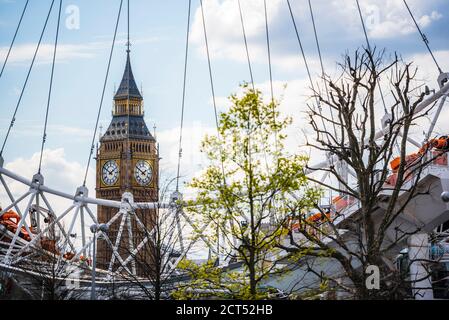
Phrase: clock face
(110, 172)
(143, 172)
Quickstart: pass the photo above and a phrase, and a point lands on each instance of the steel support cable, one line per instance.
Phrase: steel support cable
(44, 135)
(268, 50)
(213, 100)
(300, 45)
(212, 88)
(128, 150)
(267, 37)
(13, 119)
(128, 44)
(103, 92)
(14, 38)
(249, 68)
(305, 59)
(423, 36)
(254, 90)
(426, 42)
(270, 70)
(363, 25)
(312, 16)
(370, 51)
(181, 126)
(246, 45)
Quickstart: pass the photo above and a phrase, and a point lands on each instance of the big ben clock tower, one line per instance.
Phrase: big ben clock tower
(127, 161)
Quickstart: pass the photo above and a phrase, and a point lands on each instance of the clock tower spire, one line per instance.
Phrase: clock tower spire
(127, 161)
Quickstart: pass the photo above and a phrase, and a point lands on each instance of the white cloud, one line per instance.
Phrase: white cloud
(426, 20)
(70, 131)
(192, 159)
(428, 72)
(59, 172)
(224, 31)
(384, 19)
(23, 53)
(401, 26)
(427, 69)
(294, 94)
(31, 129)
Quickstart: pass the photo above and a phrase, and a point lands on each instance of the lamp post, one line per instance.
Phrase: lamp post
(445, 196)
(94, 229)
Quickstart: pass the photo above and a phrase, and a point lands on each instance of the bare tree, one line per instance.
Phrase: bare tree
(160, 249)
(360, 228)
(49, 270)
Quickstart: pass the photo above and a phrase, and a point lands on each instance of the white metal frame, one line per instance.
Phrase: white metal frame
(16, 250)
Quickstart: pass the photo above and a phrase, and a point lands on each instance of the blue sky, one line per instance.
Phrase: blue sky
(158, 38)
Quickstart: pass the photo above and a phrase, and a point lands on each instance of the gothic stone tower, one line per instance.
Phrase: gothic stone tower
(127, 161)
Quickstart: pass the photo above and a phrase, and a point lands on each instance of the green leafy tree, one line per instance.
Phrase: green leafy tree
(246, 194)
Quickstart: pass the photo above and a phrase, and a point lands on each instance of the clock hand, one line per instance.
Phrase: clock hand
(113, 171)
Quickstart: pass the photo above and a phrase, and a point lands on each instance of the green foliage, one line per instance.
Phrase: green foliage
(246, 193)
(209, 281)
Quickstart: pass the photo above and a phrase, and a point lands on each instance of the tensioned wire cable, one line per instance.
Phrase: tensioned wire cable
(103, 92)
(270, 70)
(246, 45)
(212, 88)
(363, 25)
(128, 44)
(13, 119)
(44, 136)
(14, 38)
(268, 50)
(370, 51)
(267, 38)
(128, 151)
(305, 61)
(423, 36)
(300, 45)
(209, 65)
(312, 16)
(181, 126)
(249, 66)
